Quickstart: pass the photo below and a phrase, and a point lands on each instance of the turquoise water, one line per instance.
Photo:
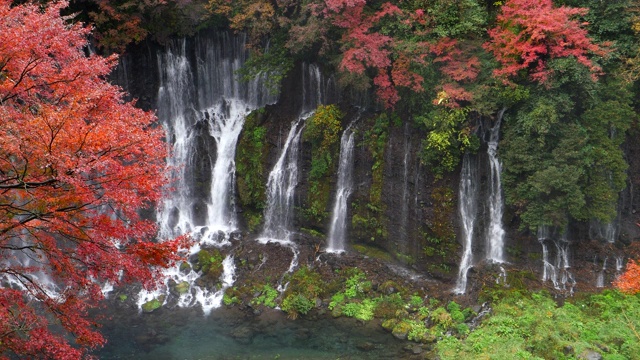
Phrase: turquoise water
(229, 334)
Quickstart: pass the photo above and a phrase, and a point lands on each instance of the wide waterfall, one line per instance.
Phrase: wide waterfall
(203, 109)
(467, 203)
(495, 231)
(338, 229)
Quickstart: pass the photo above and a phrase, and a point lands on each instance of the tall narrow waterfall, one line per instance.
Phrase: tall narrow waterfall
(495, 231)
(202, 109)
(467, 203)
(281, 186)
(338, 230)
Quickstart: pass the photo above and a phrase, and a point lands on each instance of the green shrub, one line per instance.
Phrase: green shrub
(297, 304)
(267, 297)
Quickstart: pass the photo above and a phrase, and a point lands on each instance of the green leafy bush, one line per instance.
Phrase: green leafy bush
(267, 297)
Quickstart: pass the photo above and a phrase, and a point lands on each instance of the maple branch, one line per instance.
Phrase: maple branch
(23, 74)
(28, 184)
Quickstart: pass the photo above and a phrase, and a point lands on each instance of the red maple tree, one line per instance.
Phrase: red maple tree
(629, 282)
(366, 48)
(531, 32)
(77, 163)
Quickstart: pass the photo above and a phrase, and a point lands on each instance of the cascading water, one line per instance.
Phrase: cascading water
(548, 270)
(619, 264)
(495, 231)
(283, 178)
(467, 203)
(600, 276)
(558, 271)
(281, 185)
(604, 231)
(338, 229)
(226, 120)
(200, 111)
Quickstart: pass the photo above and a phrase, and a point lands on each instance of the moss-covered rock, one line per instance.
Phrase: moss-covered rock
(209, 262)
(183, 287)
(153, 305)
(185, 267)
(401, 330)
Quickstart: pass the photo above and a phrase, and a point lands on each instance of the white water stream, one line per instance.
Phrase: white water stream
(495, 233)
(467, 204)
(202, 109)
(338, 229)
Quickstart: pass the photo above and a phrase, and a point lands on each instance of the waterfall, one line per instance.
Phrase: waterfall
(174, 108)
(601, 273)
(557, 272)
(226, 120)
(200, 111)
(202, 108)
(548, 270)
(31, 262)
(281, 186)
(283, 178)
(467, 203)
(495, 233)
(604, 231)
(338, 229)
(619, 264)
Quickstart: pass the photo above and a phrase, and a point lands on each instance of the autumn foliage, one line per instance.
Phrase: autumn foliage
(629, 282)
(77, 164)
(529, 33)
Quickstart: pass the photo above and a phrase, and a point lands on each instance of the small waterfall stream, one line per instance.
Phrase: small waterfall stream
(495, 232)
(604, 231)
(200, 111)
(558, 271)
(467, 204)
(338, 229)
(601, 273)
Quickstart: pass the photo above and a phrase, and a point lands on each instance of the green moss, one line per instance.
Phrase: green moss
(322, 131)
(185, 267)
(251, 159)
(449, 137)
(440, 237)
(209, 262)
(183, 287)
(368, 221)
(372, 251)
(153, 305)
